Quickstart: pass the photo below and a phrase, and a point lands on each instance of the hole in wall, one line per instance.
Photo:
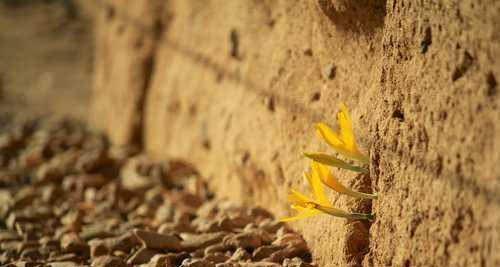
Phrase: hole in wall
(270, 103)
(426, 41)
(206, 144)
(463, 67)
(492, 84)
(316, 97)
(360, 16)
(330, 71)
(110, 13)
(234, 40)
(399, 115)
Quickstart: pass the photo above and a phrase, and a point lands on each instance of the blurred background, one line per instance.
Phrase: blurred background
(46, 55)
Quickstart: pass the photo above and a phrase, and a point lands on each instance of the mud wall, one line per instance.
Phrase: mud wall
(235, 87)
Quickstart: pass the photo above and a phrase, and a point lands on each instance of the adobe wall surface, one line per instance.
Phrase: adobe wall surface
(236, 86)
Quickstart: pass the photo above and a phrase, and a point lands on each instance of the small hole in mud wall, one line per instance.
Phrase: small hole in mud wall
(426, 41)
(360, 16)
(316, 97)
(399, 115)
(463, 67)
(271, 106)
(234, 40)
(330, 71)
(207, 145)
(492, 85)
(110, 13)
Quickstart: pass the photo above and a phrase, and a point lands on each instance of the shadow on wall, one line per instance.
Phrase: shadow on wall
(360, 16)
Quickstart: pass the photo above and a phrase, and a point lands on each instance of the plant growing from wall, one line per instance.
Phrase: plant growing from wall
(344, 143)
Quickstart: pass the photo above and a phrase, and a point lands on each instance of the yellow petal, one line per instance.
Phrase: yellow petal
(298, 198)
(334, 162)
(346, 131)
(317, 187)
(329, 180)
(337, 143)
(332, 138)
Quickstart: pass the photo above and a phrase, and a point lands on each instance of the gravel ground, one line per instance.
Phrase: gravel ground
(67, 198)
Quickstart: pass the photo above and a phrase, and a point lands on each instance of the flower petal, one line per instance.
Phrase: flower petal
(329, 180)
(298, 198)
(317, 187)
(346, 131)
(300, 216)
(331, 137)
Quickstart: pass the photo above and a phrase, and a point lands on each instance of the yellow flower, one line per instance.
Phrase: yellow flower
(329, 180)
(309, 207)
(345, 142)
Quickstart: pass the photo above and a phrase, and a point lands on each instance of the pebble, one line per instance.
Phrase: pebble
(155, 240)
(89, 204)
(143, 255)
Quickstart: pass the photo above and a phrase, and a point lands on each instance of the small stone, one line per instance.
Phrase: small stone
(216, 257)
(292, 239)
(265, 251)
(296, 262)
(271, 226)
(55, 257)
(25, 264)
(240, 255)
(63, 264)
(193, 242)
(164, 213)
(97, 230)
(259, 213)
(160, 260)
(133, 174)
(259, 264)
(6, 235)
(228, 264)
(98, 248)
(73, 244)
(197, 263)
(244, 240)
(108, 261)
(217, 248)
(232, 223)
(168, 228)
(288, 252)
(30, 254)
(158, 241)
(143, 255)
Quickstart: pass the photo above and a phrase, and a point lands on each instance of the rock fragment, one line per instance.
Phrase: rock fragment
(154, 240)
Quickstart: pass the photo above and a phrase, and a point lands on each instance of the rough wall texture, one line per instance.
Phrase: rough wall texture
(237, 85)
(125, 41)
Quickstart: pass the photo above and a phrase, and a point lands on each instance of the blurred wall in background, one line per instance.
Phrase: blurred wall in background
(236, 86)
(46, 53)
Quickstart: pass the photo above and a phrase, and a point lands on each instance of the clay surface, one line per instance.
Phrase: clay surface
(236, 86)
